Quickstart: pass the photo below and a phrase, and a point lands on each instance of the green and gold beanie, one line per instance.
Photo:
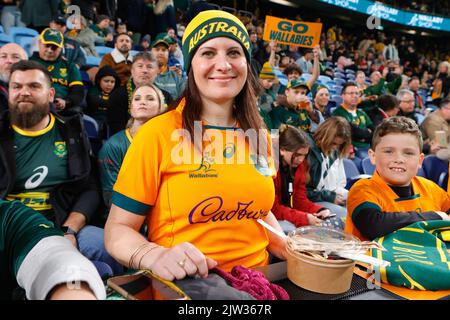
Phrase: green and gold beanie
(212, 24)
(267, 72)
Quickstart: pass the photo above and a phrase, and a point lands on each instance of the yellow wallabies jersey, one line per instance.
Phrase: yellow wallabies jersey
(213, 204)
(375, 193)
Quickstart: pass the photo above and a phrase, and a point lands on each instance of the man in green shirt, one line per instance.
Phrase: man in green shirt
(362, 126)
(66, 77)
(36, 257)
(299, 112)
(46, 163)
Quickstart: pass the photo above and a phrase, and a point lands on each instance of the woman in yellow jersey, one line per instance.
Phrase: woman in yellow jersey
(196, 174)
(147, 101)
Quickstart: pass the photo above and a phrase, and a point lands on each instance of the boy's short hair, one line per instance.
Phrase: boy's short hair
(397, 124)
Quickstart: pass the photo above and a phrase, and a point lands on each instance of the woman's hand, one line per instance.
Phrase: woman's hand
(178, 262)
(322, 214)
(313, 220)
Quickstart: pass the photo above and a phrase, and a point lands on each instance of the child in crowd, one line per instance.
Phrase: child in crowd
(291, 205)
(394, 197)
(106, 80)
(327, 181)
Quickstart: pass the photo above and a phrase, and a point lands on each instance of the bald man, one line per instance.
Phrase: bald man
(9, 54)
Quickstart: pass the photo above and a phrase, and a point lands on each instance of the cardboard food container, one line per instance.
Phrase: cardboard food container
(320, 275)
(314, 272)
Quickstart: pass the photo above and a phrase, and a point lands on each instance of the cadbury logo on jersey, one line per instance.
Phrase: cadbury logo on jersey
(211, 209)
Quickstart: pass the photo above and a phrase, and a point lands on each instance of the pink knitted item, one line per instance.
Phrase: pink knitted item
(253, 282)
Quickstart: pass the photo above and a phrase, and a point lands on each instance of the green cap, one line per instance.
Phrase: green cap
(163, 38)
(297, 83)
(50, 36)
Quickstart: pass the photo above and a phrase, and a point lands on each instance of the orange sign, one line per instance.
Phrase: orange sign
(290, 32)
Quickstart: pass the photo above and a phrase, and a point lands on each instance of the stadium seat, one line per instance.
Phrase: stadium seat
(351, 77)
(281, 76)
(1, 29)
(350, 71)
(338, 89)
(367, 166)
(352, 173)
(340, 82)
(433, 167)
(27, 44)
(420, 117)
(324, 79)
(102, 50)
(305, 77)
(92, 130)
(339, 75)
(5, 38)
(337, 99)
(443, 180)
(20, 32)
(134, 52)
(92, 61)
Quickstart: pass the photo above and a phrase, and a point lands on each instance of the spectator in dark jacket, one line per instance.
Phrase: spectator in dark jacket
(37, 14)
(291, 205)
(386, 106)
(106, 80)
(72, 49)
(164, 13)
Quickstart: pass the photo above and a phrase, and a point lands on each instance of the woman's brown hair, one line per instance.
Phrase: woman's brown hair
(291, 139)
(333, 127)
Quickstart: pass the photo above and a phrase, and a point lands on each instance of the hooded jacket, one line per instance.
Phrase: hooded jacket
(97, 101)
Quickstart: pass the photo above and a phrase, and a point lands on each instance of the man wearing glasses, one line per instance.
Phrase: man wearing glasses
(362, 126)
(66, 77)
(407, 104)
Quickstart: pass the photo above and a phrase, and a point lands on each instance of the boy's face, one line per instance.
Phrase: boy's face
(397, 158)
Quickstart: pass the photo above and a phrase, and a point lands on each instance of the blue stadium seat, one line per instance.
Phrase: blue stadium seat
(22, 32)
(337, 99)
(352, 173)
(1, 29)
(340, 82)
(102, 50)
(367, 166)
(305, 77)
(420, 117)
(92, 130)
(338, 89)
(5, 38)
(324, 79)
(433, 167)
(91, 126)
(351, 77)
(27, 44)
(92, 61)
(350, 71)
(134, 52)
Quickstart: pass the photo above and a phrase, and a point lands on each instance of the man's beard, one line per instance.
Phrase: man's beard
(124, 49)
(26, 119)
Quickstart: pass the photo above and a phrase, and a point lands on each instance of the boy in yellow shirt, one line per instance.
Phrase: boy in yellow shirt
(394, 197)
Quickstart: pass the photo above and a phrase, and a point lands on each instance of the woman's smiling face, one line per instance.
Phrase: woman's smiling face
(220, 69)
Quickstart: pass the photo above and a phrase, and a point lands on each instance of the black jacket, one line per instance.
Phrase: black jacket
(81, 192)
